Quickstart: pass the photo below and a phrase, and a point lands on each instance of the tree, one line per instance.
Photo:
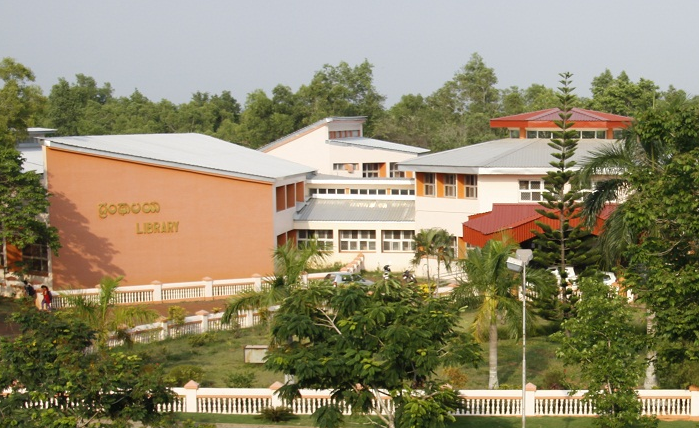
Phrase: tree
(602, 341)
(433, 242)
(51, 363)
(620, 95)
(23, 199)
(290, 262)
(562, 242)
(366, 343)
(21, 102)
(104, 316)
(69, 104)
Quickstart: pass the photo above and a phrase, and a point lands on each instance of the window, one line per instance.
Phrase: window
(349, 167)
(450, 185)
(530, 190)
(35, 258)
(357, 240)
(471, 186)
(314, 191)
(395, 173)
(343, 134)
(371, 170)
(398, 240)
(514, 134)
(323, 237)
(403, 192)
(544, 134)
(531, 134)
(617, 134)
(428, 184)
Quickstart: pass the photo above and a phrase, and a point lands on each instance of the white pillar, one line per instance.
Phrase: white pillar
(531, 397)
(258, 282)
(276, 401)
(694, 408)
(157, 290)
(204, 320)
(190, 393)
(208, 287)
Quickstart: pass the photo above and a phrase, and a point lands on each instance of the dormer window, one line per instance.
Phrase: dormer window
(336, 134)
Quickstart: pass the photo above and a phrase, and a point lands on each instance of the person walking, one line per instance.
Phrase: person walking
(48, 296)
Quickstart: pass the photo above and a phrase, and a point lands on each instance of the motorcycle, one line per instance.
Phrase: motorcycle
(386, 271)
(408, 277)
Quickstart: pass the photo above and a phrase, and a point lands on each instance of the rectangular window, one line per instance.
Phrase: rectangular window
(371, 170)
(35, 258)
(544, 134)
(324, 238)
(450, 185)
(357, 240)
(530, 190)
(471, 186)
(349, 167)
(531, 134)
(588, 134)
(428, 184)
(601, 134)
(398, 240)
(395, 173)
(514, 134)
(335, 134)
(617, 134)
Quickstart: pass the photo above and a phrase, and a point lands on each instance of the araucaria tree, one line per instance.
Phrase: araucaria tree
(562, 242)
(366, 343)
(602, 341)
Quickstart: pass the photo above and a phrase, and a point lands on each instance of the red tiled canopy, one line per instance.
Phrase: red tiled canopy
(583, 118)
(515, 221)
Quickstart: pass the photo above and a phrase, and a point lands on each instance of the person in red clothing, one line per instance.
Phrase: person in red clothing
(46, 302)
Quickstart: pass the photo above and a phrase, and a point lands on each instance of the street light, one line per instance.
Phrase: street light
(519, 264)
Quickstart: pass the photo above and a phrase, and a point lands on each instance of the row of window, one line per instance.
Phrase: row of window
(330, 191)
(361, 240)
(370, 170)
(449, 184)
(581, 134)
(336, 134)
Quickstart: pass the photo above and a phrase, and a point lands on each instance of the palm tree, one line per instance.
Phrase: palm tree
(493, 287)
(433, 242)
(290, 262)
(105, 316)
(640, 153)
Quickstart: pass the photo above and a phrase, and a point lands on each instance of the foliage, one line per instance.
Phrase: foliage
(601, 339)
(50, 362)
(434, 242)
(176, 314)
(181, 374)
(198, 340)
(431, 407)
(361, 340)
(240, 379)
(105, 316)
(21, 102)
(276, 414)
(622, 96)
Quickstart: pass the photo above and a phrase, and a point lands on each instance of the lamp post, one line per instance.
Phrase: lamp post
(519, 264)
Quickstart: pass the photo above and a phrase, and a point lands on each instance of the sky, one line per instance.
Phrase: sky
(170, 49)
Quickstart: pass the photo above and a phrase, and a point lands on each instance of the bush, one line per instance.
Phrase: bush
(181, 374)
(456, 377)
(202, 339)
(176, 314)
(276, 414)
(554, 378)
(240, 379)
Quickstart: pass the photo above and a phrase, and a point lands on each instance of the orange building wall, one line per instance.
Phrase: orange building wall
(209, 226)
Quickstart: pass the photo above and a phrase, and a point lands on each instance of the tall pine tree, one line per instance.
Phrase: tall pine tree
(563, 241)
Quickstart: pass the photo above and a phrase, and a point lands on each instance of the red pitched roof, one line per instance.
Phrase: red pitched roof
(578, 115)
(516, 221)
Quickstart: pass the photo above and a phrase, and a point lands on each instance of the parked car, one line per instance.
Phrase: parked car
(339, 278)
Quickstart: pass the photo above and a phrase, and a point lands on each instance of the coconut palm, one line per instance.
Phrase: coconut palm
(105, 315)
(290, 262)
(493, 288)
(433, 242)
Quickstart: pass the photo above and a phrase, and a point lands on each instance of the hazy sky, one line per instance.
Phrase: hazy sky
(169, 49)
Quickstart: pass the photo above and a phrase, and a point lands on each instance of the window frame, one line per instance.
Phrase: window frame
(354, 240)
(429, 183)
(400, 241)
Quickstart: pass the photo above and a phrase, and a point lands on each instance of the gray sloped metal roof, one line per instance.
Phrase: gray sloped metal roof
(378, 144)
(357, 210)
(309, 127)
(191, 151)
(499, 156)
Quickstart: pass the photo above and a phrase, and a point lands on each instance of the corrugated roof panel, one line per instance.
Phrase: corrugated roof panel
(578, 114)
(360, 210)
(378, 144)
(187, 150)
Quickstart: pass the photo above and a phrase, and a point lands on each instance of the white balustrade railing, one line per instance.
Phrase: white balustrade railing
(668, 404)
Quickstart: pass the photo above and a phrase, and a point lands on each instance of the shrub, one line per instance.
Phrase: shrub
(202, 339)
(181, 374)
(176, 314)
(276, 414)
(554, 378)
(456, 377)
(240, 379)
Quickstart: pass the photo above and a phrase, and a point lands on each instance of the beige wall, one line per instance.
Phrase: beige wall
(205, 225)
